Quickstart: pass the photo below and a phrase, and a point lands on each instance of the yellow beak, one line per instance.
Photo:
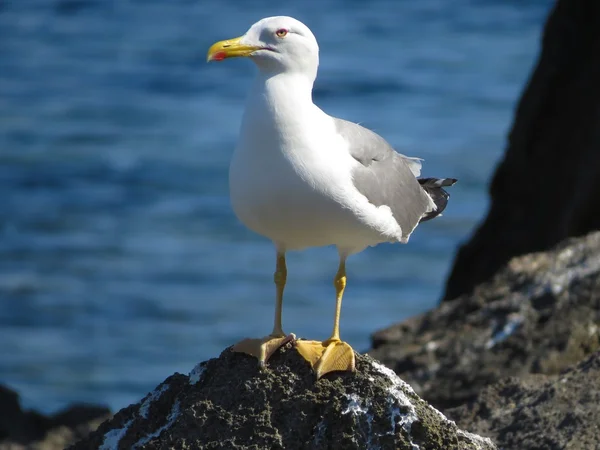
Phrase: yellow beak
(231, 48)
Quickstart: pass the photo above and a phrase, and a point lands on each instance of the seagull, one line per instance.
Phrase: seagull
(303, 178)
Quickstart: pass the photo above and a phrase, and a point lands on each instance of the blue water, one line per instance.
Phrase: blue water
(120, 258)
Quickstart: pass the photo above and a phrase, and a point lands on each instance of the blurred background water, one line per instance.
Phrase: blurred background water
(120, 258)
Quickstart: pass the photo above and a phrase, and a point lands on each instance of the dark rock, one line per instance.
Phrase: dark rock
(540, 314)
(549, 412)
(29, 429)
(547, 188)
(231, 403)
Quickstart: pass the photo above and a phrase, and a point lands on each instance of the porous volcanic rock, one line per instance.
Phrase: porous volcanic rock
(539, 315)
(232, 403)
(540, 411)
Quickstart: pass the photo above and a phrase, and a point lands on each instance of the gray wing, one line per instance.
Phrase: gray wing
(385, 176)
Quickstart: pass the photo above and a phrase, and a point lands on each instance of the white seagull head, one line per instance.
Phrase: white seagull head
(278, 44)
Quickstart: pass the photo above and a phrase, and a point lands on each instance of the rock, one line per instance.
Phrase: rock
(539, 315)
(547, 188)
(540, 411)
(29, 429)
(231, 403)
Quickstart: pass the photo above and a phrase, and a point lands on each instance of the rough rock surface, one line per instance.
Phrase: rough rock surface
(549, 412)
(547, 188)
(540, 314)
(231, 403)
(31, 430)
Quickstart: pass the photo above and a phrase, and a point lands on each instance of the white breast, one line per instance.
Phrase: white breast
(294, 186)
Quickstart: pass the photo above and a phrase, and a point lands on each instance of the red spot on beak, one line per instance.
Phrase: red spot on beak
(219, 56)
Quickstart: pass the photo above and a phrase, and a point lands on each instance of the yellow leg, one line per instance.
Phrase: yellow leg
(333, 354)
(280, 278)
(263, 348)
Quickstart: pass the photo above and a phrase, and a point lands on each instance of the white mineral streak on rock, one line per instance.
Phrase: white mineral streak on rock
(170, 421)
(481, 443)
(431, 346)
(197, 372)
(439, 413)
(154, 395)
(319, 432)
(398, 389)
(513, 323)
(395, 379)
(355, 405)
(558, 279)
(357, 408)
(113, 437)
(399, 402)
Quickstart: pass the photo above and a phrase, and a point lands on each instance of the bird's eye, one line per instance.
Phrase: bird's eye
(281, 33)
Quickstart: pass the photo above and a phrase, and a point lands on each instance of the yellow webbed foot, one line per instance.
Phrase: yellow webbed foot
(262, 348)
(332, 355)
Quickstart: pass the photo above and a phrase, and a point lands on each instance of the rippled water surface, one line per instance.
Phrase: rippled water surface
(120, 258)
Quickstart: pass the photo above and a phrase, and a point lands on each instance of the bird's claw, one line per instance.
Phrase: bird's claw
(332, 355)
(263, 348)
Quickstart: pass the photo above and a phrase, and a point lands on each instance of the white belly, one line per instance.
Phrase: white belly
(273, 199)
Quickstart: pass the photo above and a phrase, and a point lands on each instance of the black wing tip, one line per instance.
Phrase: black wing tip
(437, 182)
(433, 187)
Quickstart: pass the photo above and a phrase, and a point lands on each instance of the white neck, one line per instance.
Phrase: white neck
(280, 94)
(278, 112)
